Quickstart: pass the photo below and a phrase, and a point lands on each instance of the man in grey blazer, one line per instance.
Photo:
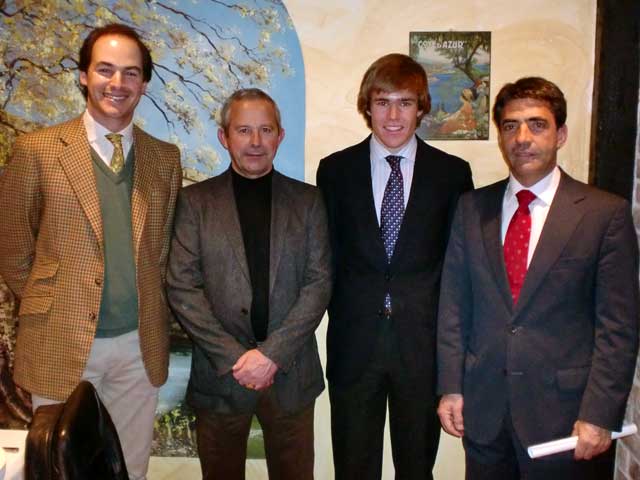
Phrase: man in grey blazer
(537, 334)
(249, 280)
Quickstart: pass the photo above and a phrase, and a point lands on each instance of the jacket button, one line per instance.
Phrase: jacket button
(548, 379)
(244, 311)
(92, 316)
(380, 312)
(252, 343)
(98, 281)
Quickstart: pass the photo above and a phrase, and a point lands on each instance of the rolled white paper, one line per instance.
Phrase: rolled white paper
(569, 443)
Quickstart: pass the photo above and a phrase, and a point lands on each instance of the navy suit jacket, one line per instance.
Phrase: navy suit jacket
(362, 274)
(567, 349)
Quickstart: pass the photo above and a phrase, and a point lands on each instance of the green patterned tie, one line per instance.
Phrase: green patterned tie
(117, 159)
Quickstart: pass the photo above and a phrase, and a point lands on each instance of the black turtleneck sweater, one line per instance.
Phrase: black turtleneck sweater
(253, 200)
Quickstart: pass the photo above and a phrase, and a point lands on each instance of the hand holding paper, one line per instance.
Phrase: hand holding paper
(592, 440)
(569, 443)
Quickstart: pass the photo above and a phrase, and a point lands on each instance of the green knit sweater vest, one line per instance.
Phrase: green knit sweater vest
(119, 304)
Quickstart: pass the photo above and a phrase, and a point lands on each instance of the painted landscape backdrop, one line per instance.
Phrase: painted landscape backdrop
(203, 50)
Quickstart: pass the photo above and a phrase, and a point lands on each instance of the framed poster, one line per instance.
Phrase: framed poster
(458, 66)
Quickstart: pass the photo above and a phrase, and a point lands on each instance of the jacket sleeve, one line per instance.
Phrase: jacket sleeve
(323, 180)
(454, 309)
(20, 204)
(616, 325)
(186, 295)
(176, 182)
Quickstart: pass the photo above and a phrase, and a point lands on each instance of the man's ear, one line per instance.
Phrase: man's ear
(222, 138)
(563, 133)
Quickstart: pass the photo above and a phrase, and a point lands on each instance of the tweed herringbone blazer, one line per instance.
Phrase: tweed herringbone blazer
(52, 252)
(209, 288)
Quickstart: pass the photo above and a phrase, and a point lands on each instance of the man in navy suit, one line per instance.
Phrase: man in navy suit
(537, 328)
(390, 201)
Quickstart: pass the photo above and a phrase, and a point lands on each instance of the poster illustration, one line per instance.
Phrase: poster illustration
(458, 65)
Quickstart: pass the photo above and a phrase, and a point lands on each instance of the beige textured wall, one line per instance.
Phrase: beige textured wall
(340, 39)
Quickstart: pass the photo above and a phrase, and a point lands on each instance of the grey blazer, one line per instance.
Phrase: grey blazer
(567, 350)
(209, 290)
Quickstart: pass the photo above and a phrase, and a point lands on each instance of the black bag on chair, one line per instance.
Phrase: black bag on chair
(75, 440)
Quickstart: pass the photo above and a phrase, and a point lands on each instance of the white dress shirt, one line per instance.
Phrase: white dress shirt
(544, 191)
(103, 147)
(380, 169)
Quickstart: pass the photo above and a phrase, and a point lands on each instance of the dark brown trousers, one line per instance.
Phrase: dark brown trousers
(288, 441)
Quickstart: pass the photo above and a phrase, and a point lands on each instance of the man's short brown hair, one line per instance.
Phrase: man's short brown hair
(392, 72)
(113, 29)
(536, 88)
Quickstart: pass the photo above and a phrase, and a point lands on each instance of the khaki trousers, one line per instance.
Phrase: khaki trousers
(115, 369)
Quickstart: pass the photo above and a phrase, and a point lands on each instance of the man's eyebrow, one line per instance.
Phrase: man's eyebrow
(528, 119)
(108, 64)
(402, 99)
(537, 119)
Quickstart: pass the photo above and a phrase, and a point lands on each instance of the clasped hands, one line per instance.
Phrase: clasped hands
(592, 440)
(254, 370)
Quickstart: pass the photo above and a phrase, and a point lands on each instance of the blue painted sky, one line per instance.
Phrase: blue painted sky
(287, 90)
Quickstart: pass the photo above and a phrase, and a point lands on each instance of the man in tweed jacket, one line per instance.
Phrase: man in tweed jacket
(85, 222)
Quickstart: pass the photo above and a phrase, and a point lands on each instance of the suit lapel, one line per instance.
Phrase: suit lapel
(143, 178)
(279, 220)
(491, 222)
(563, 218)
(231, 223)
(76, 162)
(419, 187)
(361, 199)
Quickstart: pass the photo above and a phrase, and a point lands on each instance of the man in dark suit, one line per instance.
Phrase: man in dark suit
(390, 201)
(537, 332)
(86, 211)
(249, 280)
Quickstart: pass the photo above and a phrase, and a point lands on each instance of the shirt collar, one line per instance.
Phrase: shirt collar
(96, 132)
(544, 189)
(379, 152)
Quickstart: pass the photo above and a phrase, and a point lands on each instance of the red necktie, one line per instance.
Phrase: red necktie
(516, 243)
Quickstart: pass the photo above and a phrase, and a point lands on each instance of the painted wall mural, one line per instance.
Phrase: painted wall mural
(203, 50)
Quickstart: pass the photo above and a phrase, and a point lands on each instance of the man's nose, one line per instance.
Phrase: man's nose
(523, 135)
(255, 137)
(116, 79)
(393, 111)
